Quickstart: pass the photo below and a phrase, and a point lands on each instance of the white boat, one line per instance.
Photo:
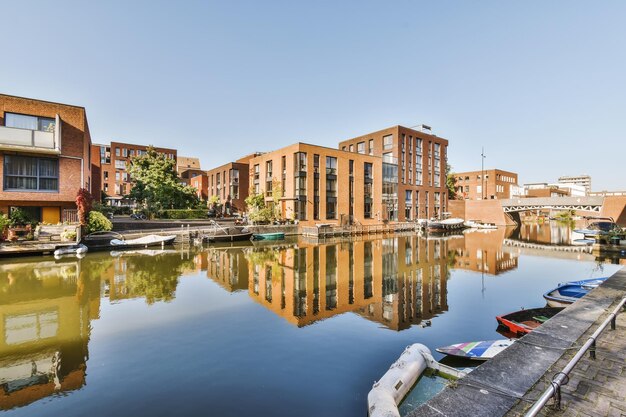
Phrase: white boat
(143, 242)
(75, 250)
(447, 224)
(474, 224)
(397, 382)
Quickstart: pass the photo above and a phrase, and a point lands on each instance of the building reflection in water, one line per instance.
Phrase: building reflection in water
(45, 311)
(396, 281)
(482, 251)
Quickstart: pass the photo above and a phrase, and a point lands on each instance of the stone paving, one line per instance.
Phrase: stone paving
(596, 387)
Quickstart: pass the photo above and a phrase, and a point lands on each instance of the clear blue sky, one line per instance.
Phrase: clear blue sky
(542, 85)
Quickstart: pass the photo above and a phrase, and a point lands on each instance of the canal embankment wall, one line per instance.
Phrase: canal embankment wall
(497, 386)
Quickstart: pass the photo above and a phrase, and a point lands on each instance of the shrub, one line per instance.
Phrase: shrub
(98, 222)
(183, 214)
(68, 234)
(264, 215)
(20, 218)
(84, 202)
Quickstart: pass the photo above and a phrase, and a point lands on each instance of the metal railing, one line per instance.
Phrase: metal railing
(562, 378)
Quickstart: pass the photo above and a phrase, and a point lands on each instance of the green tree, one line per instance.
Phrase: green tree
(157, 185)
(451, 183)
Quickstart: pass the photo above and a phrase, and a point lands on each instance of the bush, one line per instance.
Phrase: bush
(20, 218)
(264, 215)
(98, 222)
(183, 214)
(68, 234)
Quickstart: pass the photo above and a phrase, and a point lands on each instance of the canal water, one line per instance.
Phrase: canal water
(294, 328)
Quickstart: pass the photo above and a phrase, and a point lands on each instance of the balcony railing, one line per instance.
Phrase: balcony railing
(26, 139)
(38, 141)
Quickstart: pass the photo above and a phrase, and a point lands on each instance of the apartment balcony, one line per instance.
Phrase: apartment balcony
(27, 140)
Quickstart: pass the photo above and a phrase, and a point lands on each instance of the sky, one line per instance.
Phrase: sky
(541, 85)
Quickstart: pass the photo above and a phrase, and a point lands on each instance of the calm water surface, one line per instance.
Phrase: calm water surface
(298, 328)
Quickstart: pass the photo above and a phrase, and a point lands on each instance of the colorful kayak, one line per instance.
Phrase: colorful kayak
(524, 321)
(566, 294)
(479, 351)
(268, 236)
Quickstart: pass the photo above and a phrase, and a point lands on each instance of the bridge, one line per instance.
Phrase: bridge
(592, 204)
(507, 211)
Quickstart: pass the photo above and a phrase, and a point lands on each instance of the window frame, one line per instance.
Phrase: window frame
(38, 177)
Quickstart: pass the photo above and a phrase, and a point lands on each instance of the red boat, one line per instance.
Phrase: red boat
(525, 321)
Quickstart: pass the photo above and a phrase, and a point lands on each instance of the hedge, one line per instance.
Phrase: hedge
(182, 214)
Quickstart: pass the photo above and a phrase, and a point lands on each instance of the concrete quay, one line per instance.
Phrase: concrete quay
(511, 382)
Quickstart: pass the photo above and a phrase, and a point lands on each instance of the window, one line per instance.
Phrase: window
(117, 151)
(23, 121)
(316, 164)
(388, 142)
(418, 145)
(360, 147)
(351, 148)
(125, 152)
(371, 146)
(256, 174)
(29, 173)
(300, 161)
(331, 165)
(106, 175)
(117, 176)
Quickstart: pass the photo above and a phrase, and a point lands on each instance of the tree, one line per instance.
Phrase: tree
(277, 193)
(451, 183)
(84, 202)
(156, 183)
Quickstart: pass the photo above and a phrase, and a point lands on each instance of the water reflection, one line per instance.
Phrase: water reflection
(45, 313)
(47, 306)
(394, 281)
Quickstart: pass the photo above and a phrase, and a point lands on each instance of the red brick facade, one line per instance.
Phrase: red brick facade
(73, 151)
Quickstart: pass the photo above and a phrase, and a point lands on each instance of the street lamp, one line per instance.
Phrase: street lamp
(482, 174)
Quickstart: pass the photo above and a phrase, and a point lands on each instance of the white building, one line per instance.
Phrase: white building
(583, 180)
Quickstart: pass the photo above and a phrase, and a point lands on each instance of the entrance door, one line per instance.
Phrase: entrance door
(51, 215)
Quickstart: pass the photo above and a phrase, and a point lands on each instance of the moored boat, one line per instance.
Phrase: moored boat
(142, 242)
(479, 351)
(397, 382)
(445, 225)
(524, 321)
(74, 250)
(230, 234)
(269, 236)
(568, 293)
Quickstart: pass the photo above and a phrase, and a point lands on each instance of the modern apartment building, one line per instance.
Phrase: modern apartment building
(201, 184)
(489, 184)
(230, 183)
(413, 170)
(187, 168)
(112, 163)
(44, 157)
(321, 185)
(584, 180)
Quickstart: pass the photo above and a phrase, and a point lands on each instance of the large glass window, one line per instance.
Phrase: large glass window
(331, 165)
(360, 147)
(28, 173)
(23, 121)
(388, 142)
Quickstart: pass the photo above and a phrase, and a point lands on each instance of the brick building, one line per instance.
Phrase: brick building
(496, 184)
(320, 184)
(111, 162)
(44, 157)
(413, 170)
(201, 184)
(188, 168)
(229, 183)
